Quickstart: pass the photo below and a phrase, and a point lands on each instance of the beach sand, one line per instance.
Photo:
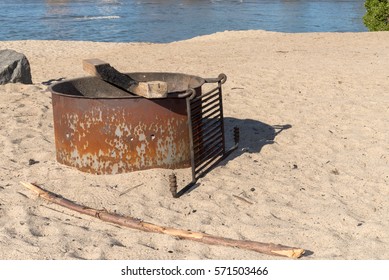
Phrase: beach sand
(312, 165)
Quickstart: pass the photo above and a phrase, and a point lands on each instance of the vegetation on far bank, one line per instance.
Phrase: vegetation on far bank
(377, 15)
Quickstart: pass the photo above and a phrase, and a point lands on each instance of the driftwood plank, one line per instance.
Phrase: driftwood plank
(265, 248)
(103, 70)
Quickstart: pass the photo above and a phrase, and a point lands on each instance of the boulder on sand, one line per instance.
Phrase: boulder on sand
(14, 68)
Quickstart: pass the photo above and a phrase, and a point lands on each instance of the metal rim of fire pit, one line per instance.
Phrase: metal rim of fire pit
(176, 91)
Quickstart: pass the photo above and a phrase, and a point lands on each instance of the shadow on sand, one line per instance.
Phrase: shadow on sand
(254, 135)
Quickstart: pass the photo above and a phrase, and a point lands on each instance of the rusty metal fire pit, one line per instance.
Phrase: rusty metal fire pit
(102, 129)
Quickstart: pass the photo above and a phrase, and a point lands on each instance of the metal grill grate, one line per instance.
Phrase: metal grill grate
(206, 131)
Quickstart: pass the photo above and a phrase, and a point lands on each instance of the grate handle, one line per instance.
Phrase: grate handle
(222, 78)
(190, 92)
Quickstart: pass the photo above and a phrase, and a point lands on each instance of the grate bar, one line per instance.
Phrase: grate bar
(206, 94)
(204, 112)
(215, 126)
(204, 155)
(211, 141)
(209, 138)
(210, 124)
(207, 116)
(205, 106)
(201, 102)
(206, 121)
(204, 164)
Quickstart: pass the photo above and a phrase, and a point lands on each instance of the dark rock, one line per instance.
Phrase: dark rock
(14, 68)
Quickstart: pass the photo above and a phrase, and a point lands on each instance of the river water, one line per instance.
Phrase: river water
(171, 20)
